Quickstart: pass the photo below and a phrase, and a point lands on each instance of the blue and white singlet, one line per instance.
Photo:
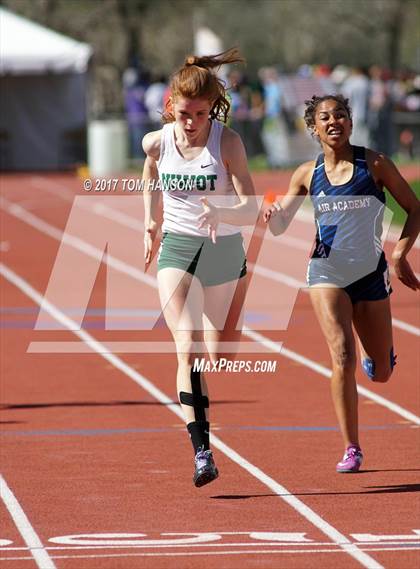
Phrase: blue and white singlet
(348, 220)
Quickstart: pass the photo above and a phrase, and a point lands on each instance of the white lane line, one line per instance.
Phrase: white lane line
(278, 277)
(29, 535)
(294, 283)
(200, 553)
(190, 546)
(148, 386)
(152, 281)
(99, 209)
(406, 327)
(64, 237)
(326, 372)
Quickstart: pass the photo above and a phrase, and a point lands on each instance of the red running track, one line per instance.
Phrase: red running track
(100, 466)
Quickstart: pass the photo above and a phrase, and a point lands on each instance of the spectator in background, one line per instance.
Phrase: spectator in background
(322, 70)
(272, 92)
(256, 117)
(135, 85)
(247, 111)
(412, 100)
(339, 74)
(153, 99)
(399, 88)
(275, 134)
(356, 88)
(380, 111)
(239, 101)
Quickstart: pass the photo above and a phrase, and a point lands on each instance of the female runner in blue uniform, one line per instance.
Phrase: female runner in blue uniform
(348, 273)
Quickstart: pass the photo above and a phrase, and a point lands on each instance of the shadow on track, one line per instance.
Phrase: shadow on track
(6, 406)
(376, 490)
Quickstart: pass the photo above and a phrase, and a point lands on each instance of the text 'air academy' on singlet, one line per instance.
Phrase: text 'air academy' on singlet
(184, 182)
(349, 216)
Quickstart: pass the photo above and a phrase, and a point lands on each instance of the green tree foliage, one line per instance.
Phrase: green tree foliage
(286, 33)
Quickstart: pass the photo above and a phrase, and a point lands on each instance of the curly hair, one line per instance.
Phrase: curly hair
(196, 80)
(312, 105)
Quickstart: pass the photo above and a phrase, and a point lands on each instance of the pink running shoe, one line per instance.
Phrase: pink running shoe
(352, 460)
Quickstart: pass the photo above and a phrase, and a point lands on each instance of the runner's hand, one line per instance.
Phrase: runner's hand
(149, 238)
(406, 274)
(209, 217)
(274, 209)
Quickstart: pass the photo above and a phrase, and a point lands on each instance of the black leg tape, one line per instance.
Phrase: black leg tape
(195, 399)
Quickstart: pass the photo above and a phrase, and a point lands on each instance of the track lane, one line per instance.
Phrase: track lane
(410, 345)
(258, 411)
(76, 455)
(262, 410)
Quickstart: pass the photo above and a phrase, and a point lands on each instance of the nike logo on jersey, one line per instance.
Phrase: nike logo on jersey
(206, 165)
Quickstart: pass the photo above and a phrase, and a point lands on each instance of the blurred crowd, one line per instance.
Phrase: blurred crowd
(267, 111)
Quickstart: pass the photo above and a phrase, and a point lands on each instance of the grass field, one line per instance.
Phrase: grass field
(399, 213)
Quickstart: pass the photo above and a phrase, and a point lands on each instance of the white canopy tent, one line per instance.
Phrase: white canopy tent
(206, 42)
(42, 97)
(27, 47)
